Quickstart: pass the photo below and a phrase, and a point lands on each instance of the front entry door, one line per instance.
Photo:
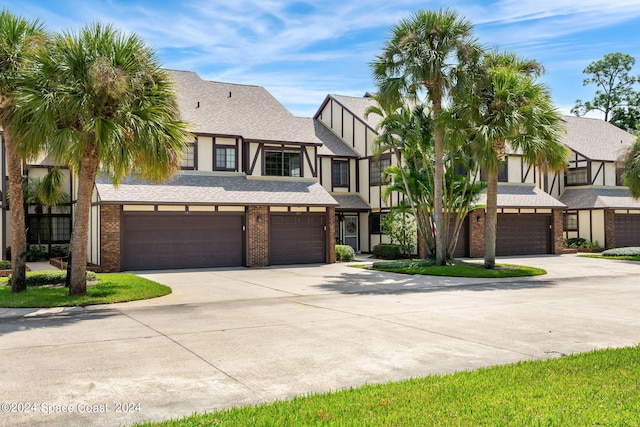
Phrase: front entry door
(350, 232)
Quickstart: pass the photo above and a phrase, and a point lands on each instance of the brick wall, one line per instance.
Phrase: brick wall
(476, 233)
(330, 236)
(556, 230)
(110, 238)
(609, 229)
(257, 236)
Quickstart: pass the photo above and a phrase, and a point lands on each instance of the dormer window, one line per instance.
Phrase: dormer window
(282, 163)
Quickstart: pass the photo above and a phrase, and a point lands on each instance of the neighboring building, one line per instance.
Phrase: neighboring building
(599, 207)
(260, 187)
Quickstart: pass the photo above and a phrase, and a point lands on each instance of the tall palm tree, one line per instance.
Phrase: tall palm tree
(407, 133)
(631, 174)
(427, 52)
(100, 99)
(509, 106)
(18, 38)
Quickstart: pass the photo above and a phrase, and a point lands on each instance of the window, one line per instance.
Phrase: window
(189, 157)
(374, 223)
(60, 226)
(282, 163)
(376, 168)
(225, 158)
(570, 221)
(576, 176)
(619, 173)
(503, 172)
(340, 173)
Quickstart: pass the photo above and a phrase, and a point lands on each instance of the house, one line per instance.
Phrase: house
(260, 186)
(248, 194)
(599, 207)
(529, 220)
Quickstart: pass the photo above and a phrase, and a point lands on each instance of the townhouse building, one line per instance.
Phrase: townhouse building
(260, 186)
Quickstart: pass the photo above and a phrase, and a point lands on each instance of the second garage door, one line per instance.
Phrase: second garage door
(627, 230)
(297, 239)
(523, 234)
(164, 240)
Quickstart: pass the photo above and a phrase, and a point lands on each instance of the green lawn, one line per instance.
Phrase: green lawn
(110, 288)
(600, 388)
(458, 269)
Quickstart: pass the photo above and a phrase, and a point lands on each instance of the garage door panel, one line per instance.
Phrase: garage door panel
(523, 234)
(627, 230)
(167, 240)
(297, 239)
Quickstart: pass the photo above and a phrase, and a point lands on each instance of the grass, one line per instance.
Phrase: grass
(110, 288)
(621, 257)
(598, 388)
(458, 269)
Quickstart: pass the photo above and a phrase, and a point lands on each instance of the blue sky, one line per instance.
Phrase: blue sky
(303, 50)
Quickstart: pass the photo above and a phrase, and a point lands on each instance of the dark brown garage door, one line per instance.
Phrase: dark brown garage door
(163, 240)
(462, 247)
(627, 230)
(523, 234)
(297, 239)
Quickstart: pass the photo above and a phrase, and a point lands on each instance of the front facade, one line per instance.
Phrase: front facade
(260, 187)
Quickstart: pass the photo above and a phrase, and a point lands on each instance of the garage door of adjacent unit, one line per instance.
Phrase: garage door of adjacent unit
(164, 240)
(523, 234)
(462, 247)
(627, 229)
(297, 239)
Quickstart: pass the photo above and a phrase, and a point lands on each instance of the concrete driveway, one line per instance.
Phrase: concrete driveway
(228, 337)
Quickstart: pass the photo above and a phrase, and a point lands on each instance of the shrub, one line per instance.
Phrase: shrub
(53, 277)
(387, 251)
(401, 228)
(631, 251)
(407, 263)
(580, 243)
(34, 253)
(5, 264)
(344, 253)
(58, 251)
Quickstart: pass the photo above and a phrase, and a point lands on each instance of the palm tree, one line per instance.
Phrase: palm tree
(509, 106)
(631, 174)
(407, 133)
(427, 52)
(45, 192)
(100, 99)
(18, 38)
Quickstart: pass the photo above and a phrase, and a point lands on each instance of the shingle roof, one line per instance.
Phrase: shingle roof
(595, 138)
(599, 197)
(351, 202)
(211, 189)
(331, 144)
(522, 196)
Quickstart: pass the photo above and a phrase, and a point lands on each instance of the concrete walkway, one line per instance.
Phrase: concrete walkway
(228, 337)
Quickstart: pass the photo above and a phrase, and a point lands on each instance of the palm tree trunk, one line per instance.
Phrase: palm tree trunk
(438, 136)
(491, 219)
(86, 181)
(17, 218)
